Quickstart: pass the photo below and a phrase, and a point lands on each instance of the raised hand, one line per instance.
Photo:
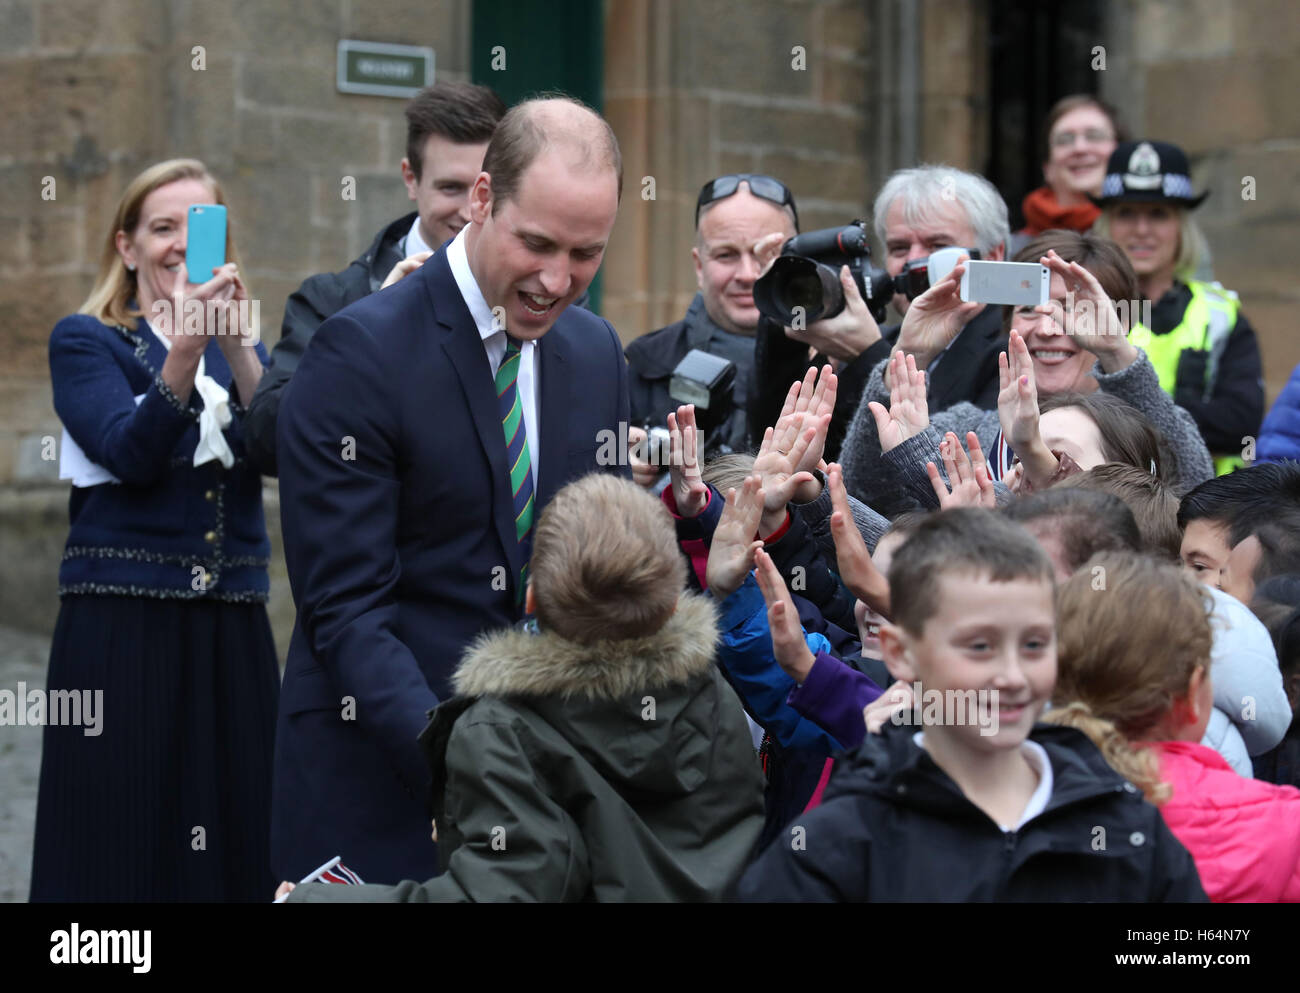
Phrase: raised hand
(683, 463)
(881, 711)
(1092, 321)
(788, 643)
(936, 317)
(731, 553)
(969, 477)
(776, 462)
(853, 560)
(909, 413)
(1018, 410)
(405, 268)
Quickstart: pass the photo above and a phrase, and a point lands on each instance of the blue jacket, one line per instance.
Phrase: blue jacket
(167, 529)
(1279, 438)
(747, 659)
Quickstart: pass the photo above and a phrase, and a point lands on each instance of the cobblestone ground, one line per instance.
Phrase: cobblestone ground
(23, 657)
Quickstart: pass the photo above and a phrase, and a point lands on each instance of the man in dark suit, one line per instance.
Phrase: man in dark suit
(424, 431)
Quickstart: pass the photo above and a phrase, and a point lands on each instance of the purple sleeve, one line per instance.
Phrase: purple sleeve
(833, 696)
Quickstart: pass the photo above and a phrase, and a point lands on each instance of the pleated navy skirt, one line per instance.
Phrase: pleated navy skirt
(171, 801)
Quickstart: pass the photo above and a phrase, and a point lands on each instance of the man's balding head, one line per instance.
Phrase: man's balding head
(564, 125)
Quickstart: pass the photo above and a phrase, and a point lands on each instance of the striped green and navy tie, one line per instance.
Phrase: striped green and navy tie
(517, 455)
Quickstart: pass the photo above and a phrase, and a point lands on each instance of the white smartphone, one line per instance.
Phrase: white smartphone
(1015, 284)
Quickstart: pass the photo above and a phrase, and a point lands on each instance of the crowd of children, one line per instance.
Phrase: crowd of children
(1073, 682)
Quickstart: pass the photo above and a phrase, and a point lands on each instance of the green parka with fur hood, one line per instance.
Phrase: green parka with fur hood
(616, 771)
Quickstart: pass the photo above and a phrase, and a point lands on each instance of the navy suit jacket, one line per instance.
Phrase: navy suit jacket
(400, 543)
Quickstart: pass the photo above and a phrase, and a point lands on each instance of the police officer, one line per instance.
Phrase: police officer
(1199, 342)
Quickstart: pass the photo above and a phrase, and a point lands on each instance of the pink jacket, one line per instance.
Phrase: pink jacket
(1244, 834)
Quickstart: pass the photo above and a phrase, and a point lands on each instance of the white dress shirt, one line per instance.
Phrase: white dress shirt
(414, 243)
(494, 343)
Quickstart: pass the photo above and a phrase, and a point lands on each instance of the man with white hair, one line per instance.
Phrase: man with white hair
(917, 212)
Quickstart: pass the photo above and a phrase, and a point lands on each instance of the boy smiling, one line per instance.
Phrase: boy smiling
(952, 812)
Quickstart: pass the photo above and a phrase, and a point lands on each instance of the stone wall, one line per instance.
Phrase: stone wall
(699, 90)
(1221, 81)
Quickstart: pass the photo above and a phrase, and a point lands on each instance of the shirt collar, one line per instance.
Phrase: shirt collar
(414, 243)
(458, 260)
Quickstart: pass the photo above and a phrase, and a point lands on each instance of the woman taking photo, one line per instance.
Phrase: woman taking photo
(1201, 345)
(163, 581)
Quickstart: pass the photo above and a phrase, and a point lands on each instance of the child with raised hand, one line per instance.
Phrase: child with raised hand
(1135, 675)
(599, 756)
(745, 649)
(980, 804)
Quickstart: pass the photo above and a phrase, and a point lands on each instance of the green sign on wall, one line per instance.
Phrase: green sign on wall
(382, 70)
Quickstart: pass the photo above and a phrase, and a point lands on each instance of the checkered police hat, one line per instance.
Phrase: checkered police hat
(1148, 172)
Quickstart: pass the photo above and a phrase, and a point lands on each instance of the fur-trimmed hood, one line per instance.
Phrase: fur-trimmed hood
(516, 663)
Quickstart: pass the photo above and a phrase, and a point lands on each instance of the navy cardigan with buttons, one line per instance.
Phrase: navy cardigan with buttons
(167, 529)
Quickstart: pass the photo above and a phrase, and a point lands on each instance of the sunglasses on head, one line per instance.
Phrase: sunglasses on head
(761, 186)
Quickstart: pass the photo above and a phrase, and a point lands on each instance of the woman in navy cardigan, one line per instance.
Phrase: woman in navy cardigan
(164, 578)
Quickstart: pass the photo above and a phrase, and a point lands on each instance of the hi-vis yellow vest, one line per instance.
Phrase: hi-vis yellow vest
(1207, 322)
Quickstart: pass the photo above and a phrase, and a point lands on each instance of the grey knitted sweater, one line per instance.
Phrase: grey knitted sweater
(896, 481)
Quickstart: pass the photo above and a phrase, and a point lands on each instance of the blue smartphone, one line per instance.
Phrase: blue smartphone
(205, 241)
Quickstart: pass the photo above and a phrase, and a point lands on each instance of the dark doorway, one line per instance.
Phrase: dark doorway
(1038, 52)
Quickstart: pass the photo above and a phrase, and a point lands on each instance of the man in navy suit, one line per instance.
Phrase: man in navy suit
(405, 501)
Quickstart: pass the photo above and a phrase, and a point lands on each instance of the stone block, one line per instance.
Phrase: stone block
(630, 47)
(19, 20)
(310, 29)
(381, 199)
(62, 100)
(29, 317)
(27, 404)
(1221, 103)
(15, 246)
(201, 121)
(950, 48)
(745, 46)
(31, 465)
(270, 207)
(1265, 27)
(1275, 172)
(1182, 29)
(443, 25)
(340, 143)
(56, 235)
(845, 27)
(845, 83)
(102, 25)
(781, 127)
(819, 177)
(255, 141)
(947, 132)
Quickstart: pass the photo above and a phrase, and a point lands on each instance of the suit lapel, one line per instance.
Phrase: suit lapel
(552, 357)
(952, 380)
(465, 352)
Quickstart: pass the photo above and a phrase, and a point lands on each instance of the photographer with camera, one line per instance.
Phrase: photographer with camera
(917, 212)
(740, 221)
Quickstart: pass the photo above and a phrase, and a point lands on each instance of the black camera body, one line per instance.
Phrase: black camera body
(803, 284)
